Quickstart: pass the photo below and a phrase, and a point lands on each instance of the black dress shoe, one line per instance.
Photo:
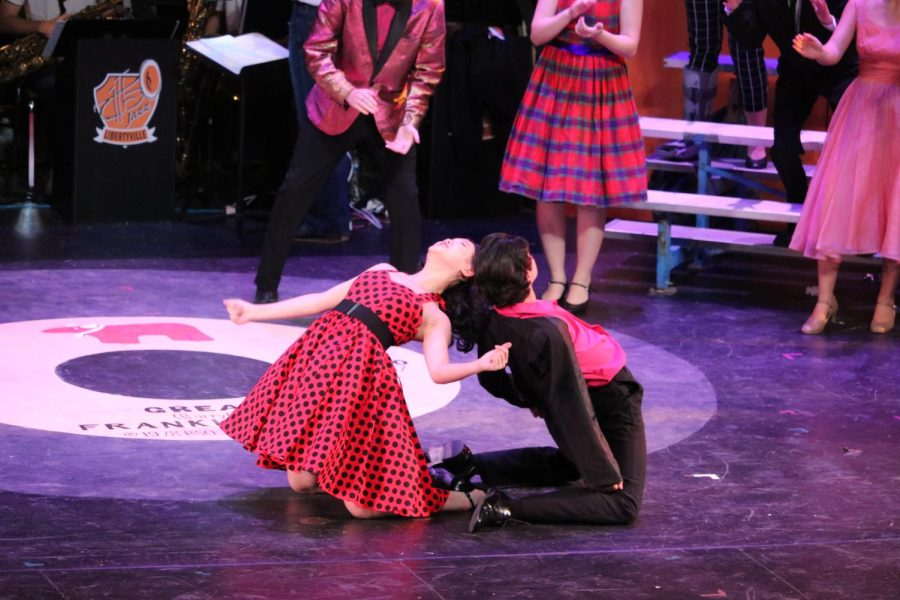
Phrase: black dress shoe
(492, 511)
(265, 297)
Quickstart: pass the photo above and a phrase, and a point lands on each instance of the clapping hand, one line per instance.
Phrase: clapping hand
(808, 46)
(580, 7)
(496, 359)
(588, 31)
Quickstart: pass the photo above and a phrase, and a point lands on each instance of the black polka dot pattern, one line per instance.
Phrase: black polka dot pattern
(332, 405)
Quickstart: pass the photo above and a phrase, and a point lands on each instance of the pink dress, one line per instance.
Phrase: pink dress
(853, 204)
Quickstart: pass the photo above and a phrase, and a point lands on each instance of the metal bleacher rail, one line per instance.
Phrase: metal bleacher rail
(703, 204)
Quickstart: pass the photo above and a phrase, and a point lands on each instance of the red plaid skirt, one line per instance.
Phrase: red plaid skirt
(576, 137)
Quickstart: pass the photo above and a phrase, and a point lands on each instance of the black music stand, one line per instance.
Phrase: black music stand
(101, 174)
(265, 126)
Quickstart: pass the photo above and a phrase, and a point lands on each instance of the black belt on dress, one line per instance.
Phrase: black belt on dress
(368, 318)
(582, 49)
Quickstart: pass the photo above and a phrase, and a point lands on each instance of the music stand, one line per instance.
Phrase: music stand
(99, 177)
(67, 33)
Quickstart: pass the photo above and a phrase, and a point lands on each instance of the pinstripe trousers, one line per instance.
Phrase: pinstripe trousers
(705, 23)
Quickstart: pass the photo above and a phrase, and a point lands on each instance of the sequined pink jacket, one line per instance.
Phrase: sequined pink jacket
(340, 55)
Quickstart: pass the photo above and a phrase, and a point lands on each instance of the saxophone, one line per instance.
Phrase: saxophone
(24, 56)
(189, 71)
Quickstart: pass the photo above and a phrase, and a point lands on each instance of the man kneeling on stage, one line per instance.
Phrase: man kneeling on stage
(569, 373)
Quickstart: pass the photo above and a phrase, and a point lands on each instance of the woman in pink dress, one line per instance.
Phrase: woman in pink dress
(853, 204)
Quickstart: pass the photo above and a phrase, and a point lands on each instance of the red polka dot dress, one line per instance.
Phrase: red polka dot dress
(332, 405)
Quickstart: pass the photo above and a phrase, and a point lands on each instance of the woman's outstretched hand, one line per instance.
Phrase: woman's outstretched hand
(495, 359)
(238, 310)
(808, 46)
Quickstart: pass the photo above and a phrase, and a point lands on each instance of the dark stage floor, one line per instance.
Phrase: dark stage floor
(774, 469)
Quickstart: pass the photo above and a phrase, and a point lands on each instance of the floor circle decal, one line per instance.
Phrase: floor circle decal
(93, 377)
(188, 375)
(60, 373)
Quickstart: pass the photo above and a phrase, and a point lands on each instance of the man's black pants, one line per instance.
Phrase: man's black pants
(316, 154)
(617, 407)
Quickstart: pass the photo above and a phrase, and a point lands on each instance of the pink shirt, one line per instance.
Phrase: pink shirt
(599, 355)
(385, 13)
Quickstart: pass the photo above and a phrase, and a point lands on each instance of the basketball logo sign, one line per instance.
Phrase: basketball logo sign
(126, 103)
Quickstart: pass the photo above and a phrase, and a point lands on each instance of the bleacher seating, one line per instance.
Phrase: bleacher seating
(704, 205)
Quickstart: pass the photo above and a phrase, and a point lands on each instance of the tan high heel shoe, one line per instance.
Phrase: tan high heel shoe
(814, 325)
(883, 325)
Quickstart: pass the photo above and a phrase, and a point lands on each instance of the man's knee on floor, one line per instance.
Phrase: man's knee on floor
(627, 508)
(618, 508)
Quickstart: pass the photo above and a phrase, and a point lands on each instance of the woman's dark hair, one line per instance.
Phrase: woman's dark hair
(468, 312)
(501, 265)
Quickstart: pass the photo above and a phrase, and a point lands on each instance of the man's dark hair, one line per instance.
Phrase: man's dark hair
(501, 267)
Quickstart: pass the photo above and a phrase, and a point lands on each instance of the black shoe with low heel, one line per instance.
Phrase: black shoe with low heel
(459, 462)
(581, 307)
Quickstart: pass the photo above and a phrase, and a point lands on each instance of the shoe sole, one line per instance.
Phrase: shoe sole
(476, 512)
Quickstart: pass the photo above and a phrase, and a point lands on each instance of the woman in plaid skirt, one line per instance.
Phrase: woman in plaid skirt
(576, 138)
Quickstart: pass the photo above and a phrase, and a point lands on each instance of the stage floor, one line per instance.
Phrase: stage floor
(774, 466)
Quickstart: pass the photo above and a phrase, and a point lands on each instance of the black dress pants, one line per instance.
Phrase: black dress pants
(617, 408)
(794, 99)
(316, 154)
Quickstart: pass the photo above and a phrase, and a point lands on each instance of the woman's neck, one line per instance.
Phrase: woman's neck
(432, 280)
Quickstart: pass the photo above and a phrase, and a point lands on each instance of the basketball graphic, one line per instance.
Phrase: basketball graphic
(126, 103)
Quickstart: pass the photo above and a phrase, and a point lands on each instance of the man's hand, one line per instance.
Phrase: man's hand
(586, 31)
(616, 487)
(822, 12)
(406, 136)
(580, 7)
(365, 100)
(732, 5)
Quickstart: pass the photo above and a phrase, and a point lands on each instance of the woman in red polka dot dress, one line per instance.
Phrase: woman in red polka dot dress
(331, 411)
